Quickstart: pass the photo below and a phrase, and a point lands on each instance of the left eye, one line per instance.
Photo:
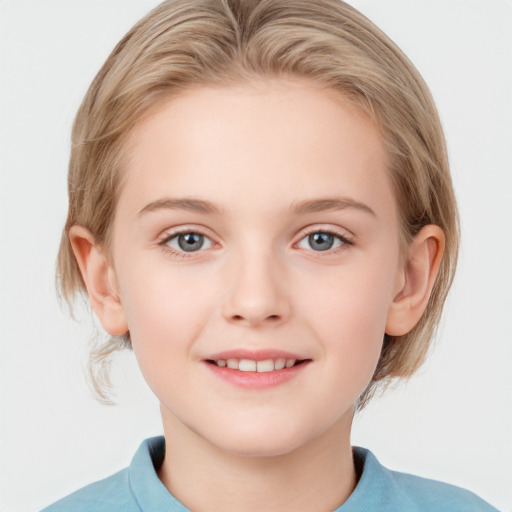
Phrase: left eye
(321, 241)
(188, 242)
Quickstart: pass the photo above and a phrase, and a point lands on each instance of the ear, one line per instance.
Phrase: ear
(417, 280)
(99, 278)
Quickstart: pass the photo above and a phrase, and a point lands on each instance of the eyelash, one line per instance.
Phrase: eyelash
(176, 234)
(345, 241)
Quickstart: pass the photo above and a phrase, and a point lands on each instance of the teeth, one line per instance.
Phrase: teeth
(265, 366)
(280, 364)
(249, 365)
(233, 363)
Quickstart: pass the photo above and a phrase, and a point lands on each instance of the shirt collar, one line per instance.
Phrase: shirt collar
(371, 493)
(147, 489)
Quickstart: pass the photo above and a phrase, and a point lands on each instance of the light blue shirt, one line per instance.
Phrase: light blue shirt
(138, 489)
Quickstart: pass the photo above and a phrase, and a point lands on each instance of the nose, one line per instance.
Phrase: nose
(257, 294)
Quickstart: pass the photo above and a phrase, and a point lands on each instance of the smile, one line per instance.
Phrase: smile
(261, 369)
(256, 369)
(251, 365)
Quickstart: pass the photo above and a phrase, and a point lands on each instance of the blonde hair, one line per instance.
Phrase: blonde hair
(184, 43)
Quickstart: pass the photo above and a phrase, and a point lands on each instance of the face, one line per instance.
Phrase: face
(255, 250)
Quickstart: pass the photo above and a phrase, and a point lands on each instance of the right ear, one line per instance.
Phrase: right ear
(100, 281)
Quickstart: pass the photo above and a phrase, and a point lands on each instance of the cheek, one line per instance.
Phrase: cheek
(165, 310)
(354, 298)
(349, 316)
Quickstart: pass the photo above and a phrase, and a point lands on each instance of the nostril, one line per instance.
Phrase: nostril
(250, 319)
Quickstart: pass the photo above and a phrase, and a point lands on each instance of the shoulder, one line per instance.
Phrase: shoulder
(133, 489)
(109, 495)
(394, 491)
(439, 496)
(124, 491)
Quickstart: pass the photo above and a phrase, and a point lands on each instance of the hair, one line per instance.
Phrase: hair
(186, 43)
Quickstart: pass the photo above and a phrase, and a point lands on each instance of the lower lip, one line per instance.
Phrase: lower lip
(257, 380)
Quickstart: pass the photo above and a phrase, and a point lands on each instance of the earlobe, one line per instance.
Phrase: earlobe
(419, 274)
(99, 278)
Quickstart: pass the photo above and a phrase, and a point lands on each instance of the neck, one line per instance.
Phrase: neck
(318, 476)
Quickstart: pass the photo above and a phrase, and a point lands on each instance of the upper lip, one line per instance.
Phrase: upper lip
(255, 355)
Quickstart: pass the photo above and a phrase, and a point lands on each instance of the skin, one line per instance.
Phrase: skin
(256, 152)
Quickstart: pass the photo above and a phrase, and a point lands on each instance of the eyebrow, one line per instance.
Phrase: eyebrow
(190, 204)
(298, 207)
(331, 203)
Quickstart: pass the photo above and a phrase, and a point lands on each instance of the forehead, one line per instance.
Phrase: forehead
(279, 141)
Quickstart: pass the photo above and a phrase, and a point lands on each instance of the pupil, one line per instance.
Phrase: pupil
(190, 242)
(321, 241)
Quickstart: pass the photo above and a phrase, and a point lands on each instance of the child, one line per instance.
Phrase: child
(261, 208)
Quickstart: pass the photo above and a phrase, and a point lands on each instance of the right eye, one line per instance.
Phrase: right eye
(188, 241)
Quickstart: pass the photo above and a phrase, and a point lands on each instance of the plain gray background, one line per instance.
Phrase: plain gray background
(452, 422)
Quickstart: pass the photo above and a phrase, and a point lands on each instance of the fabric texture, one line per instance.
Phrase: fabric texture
(138, 489)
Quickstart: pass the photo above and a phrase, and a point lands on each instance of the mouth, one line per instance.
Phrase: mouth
(257, 366)
(258, 369)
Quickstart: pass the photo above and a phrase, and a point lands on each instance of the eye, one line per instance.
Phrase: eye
(322, 241)
(188, 242)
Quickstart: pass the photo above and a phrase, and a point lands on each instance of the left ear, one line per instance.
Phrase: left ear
(418, 277)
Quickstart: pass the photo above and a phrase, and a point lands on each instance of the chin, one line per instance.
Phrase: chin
(254, 449)
(262, 440)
